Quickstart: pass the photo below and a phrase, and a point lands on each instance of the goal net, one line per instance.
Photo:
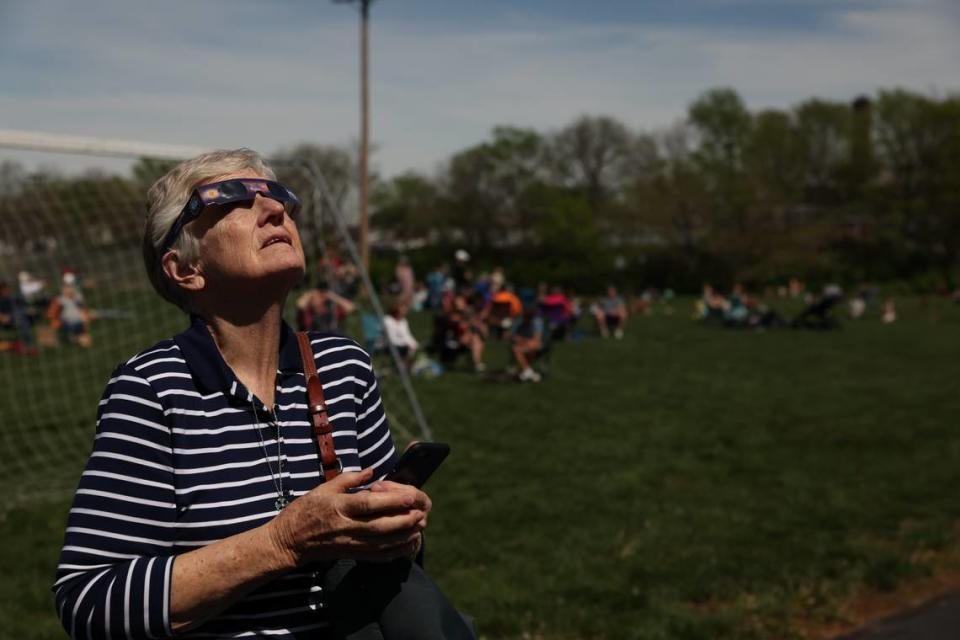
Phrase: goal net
(60, 235)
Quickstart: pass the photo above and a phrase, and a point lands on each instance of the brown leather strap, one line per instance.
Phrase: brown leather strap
(317, 408)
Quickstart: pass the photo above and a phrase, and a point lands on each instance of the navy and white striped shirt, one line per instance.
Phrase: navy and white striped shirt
(177, 464)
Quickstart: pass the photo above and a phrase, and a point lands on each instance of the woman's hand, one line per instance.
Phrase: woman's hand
(328, 523)
(386, 485)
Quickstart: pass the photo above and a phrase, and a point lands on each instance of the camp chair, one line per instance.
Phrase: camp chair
(443, 344)
(372, 331)
(818, 315)
(556, 321)
(499, 319)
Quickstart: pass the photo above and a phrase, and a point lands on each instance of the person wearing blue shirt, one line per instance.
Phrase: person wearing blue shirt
(202, 510)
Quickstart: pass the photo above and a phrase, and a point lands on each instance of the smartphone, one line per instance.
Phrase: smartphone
(418, 463)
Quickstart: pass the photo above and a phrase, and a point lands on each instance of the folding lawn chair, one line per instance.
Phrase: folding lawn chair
(819, 314)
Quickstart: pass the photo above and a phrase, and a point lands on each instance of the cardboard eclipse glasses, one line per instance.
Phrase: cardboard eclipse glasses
(227, 192)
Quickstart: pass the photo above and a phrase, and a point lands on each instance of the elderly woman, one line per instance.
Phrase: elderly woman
(203, 510)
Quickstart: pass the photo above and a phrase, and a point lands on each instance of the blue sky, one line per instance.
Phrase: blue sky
(221, 73)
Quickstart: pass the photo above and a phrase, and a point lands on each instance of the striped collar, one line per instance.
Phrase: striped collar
(211, 371)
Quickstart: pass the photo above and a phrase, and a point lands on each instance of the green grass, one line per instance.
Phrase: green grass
(686, 482)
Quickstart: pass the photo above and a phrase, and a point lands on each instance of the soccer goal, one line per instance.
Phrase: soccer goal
(65, 239)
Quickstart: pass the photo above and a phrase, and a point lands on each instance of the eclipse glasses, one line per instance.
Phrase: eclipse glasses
(227, 192)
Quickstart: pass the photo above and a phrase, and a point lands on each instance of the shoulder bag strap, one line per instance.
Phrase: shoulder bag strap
(332, 466)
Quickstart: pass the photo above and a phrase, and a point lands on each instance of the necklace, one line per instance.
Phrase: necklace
(281, 500)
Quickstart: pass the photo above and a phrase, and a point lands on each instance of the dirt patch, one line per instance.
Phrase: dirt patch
(864, 606)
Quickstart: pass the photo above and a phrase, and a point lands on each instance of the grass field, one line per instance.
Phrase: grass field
(687, 482)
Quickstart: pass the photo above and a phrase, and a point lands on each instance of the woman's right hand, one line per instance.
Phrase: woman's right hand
(328, 523)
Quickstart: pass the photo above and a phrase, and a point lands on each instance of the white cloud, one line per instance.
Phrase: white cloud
(437, 91)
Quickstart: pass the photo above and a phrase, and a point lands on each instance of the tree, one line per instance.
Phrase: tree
(722, 127)
(781, 240)
(485, 185)
(148, 170)
(824, 131)
(12, 177)
(337, 167)
(773, 160)
(592, 154)
(335, 164)
(918, 141)
(406, 207)
(722, 123)
(568, 246)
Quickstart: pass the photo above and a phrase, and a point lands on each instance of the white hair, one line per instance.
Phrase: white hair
(167, 198)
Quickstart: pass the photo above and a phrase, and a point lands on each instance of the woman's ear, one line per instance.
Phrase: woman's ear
(184, 275)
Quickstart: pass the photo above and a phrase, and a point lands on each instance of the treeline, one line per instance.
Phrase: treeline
(826, 191)
(866, 191)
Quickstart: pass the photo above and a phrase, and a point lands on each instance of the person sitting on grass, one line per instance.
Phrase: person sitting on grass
(470, 331)
(527, 342)
(736, 311)
(14, 316)
(889, 314)
(750, 312)
(711, 306)
(458, 330)
(502, 311)
(398, 333)
(611, 314)
(68, 315)
(320, 309)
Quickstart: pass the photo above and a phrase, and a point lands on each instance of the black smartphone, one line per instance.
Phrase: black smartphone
(418, 463)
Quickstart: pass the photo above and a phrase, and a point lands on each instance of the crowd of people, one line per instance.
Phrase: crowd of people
(469, 310)
(473, 312)
(31, 317)
(742, 309)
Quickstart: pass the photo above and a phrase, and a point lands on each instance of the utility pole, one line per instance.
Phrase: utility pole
(364, 127)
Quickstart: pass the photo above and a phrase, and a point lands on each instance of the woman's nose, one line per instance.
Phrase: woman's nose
(270, 210)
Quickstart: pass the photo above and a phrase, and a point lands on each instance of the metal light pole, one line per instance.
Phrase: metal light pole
(364, 126)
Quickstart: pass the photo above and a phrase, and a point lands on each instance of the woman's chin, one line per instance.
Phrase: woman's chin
(291, 275)
(277, 281)
(292, 267)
